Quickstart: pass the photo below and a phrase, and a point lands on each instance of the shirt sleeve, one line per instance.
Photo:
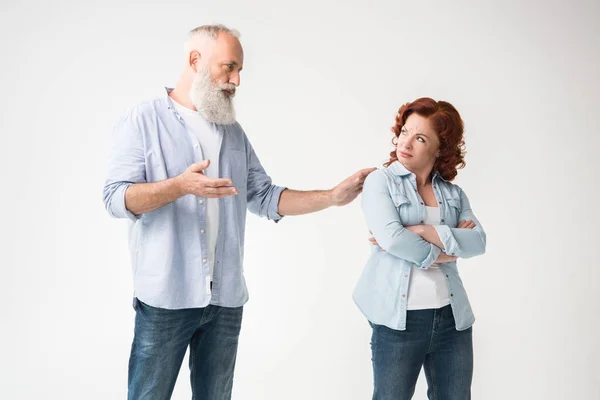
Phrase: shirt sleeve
(126, 166)
(383, 220)
(263, 197)
(464, 243)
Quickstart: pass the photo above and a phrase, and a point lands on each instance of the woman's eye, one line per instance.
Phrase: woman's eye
(420, 139)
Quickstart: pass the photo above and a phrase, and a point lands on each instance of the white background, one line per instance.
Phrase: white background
(321, 84)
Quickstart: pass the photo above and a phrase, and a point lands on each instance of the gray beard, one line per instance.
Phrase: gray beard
(210, 101)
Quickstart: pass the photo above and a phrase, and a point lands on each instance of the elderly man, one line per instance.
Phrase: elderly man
(182, 169)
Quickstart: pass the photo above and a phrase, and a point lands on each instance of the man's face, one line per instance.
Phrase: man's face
(216, 80)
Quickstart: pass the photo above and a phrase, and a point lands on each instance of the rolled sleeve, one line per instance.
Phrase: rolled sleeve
(446, 238)
(434, 253)
(126, 166)
(115, 201)
(273, 208)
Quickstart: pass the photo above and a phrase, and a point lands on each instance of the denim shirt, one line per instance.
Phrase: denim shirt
(168, 245)
(390, 201)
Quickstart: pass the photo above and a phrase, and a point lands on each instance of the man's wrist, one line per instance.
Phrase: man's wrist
(329, 198)
(177, 186)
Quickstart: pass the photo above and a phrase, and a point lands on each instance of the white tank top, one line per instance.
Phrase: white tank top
(428, 287)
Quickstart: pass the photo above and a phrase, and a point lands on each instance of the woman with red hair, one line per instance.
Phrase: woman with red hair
(410, 289)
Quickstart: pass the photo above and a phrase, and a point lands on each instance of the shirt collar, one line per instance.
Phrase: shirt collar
(168, 91)
(400, 170)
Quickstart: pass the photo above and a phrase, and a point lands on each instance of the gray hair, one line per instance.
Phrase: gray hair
(213, 31)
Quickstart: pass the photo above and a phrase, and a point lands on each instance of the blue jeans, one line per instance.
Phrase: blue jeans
(430, 341)
(161, 340)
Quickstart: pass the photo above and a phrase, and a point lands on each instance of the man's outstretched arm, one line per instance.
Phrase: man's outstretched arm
(295, 202)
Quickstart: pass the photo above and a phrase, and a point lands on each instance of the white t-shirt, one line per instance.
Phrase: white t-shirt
(428, 288)
(210, 145)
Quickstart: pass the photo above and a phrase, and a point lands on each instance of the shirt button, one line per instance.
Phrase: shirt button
(201, 201)
(451, 294)
(196, 145)
(201, 230)
(443, 220)
(406, 276)
(403, 295)
(447, 276)
(421, 203)
(204, 260)
(440, 202)
(422, 222)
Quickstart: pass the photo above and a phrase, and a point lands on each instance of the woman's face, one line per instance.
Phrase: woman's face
(418, 145)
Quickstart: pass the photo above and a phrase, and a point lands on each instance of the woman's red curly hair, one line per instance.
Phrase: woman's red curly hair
(447, 123)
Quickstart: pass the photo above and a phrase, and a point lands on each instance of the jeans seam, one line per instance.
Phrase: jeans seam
(430, 347)
(192, 354)
(433, 378)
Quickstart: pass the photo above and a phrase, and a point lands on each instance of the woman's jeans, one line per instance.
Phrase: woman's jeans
(430, 340)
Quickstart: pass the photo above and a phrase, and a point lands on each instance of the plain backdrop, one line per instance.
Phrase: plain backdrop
(321, 84)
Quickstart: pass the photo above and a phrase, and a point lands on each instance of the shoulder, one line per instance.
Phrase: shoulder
(146, 110)
(378, 180)
(149, 108)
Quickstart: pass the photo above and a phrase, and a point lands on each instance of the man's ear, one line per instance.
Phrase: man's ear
(194, 59)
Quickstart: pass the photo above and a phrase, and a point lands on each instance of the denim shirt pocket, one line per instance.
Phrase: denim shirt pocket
(453, 212)
(401, 203)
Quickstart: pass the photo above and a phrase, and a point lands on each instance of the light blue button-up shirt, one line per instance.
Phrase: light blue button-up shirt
(168, 245)
(390, 201)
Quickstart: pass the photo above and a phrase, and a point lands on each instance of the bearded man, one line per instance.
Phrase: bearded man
(184, 172)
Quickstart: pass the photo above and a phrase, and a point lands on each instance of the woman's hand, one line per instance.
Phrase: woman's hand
(466, 224)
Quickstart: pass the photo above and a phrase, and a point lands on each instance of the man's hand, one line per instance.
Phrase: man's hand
(350, 187)
(193, 181)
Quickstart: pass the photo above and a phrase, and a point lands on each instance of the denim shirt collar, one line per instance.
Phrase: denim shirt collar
(398, 169)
